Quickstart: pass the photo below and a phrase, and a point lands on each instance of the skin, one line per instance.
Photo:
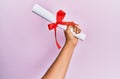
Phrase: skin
(59, 67)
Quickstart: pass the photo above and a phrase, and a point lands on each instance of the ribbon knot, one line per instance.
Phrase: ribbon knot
(59, 20)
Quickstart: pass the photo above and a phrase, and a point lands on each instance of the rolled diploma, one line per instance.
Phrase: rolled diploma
(52, 18)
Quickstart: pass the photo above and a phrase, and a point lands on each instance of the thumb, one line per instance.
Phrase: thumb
(69, 28)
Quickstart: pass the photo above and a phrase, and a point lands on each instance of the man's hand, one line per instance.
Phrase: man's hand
(69, 36)
(59, 67)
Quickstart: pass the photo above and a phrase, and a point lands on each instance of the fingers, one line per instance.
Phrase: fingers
(76, 29)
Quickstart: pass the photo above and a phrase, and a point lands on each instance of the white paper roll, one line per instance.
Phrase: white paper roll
(52, 18)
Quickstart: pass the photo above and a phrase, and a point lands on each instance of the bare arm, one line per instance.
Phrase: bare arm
(59, 68)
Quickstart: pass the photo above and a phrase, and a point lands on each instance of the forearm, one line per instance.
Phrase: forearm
(59, 68)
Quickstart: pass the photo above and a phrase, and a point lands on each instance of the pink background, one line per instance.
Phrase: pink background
(27, 47)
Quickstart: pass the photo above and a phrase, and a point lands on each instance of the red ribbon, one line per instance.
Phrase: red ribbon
(59, 17)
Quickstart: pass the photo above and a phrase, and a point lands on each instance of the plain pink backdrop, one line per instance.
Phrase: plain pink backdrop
(27, 47)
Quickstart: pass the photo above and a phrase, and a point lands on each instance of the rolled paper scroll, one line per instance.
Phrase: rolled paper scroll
(52, 18)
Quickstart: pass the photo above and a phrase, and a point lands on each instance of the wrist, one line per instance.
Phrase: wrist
(70, 44)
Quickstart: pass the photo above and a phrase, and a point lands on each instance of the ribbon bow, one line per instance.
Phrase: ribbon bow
(59, 20)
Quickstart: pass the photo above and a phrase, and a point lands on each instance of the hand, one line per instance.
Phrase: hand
(59, 68)
(69, 36)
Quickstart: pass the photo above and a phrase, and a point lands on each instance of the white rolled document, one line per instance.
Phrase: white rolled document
(52, 18)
